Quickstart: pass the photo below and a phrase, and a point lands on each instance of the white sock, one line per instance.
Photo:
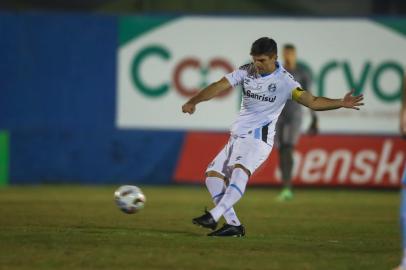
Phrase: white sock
(404, 259)
(217, 188)
(233, 193)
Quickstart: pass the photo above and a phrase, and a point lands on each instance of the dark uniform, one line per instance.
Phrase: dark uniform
(289, 125)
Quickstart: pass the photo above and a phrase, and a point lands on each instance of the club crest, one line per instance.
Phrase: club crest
(272, 87)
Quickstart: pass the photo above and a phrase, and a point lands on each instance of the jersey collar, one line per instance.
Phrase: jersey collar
(278, 67)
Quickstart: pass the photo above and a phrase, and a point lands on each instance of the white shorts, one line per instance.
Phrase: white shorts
(245, 150)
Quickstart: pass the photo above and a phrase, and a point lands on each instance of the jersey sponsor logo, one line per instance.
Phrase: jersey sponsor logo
(250, 94)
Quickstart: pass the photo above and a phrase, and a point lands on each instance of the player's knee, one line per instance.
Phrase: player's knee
(217, 175)
(242, 167)
(214, 174)
(286, 151)
(289, 149)
(286, 147)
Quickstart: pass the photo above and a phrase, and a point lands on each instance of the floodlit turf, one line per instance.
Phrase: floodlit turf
(74, 227)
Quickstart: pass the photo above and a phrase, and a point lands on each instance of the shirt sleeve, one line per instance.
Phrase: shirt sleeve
(291, 85)
(236, 77)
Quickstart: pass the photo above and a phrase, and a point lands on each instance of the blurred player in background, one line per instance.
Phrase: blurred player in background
(403, 182)
(266, 87)
(290, 122)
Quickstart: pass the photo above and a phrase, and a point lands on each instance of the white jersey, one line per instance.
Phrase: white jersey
(263, 98)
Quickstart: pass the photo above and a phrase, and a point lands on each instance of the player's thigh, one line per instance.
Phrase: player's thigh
(278, 133)
(291, 131)
(220, 163)
(250, 153)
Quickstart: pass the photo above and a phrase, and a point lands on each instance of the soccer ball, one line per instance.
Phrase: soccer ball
(129, 199)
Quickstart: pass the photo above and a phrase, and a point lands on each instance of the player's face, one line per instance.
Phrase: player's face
(289, 58)
(264, 63)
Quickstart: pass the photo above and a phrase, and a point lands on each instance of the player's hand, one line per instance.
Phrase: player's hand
(352, 102)
(189, 108)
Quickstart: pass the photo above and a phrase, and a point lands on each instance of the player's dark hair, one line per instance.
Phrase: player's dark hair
(289, 46)
(264, 45)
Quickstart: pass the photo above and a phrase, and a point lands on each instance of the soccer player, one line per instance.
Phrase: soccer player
(403, 194)
(266, 87)
(290, 121)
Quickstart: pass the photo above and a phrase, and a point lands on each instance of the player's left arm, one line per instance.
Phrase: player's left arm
(315, 103)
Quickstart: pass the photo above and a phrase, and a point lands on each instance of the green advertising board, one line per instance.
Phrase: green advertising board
(163, 61)
(4, 158)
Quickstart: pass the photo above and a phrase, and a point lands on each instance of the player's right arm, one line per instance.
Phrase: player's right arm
(207, 93)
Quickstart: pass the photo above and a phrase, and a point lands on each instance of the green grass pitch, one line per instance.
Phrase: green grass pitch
(77, 227)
